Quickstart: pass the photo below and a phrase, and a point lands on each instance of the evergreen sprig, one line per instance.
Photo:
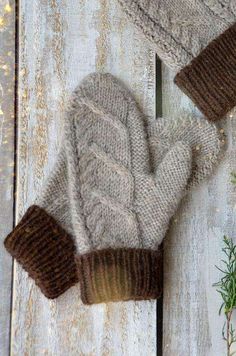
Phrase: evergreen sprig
(233, 177)
(226, 287)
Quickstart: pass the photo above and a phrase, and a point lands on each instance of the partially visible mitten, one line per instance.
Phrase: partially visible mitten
(198, 39)
(126, 205)
(42, 242)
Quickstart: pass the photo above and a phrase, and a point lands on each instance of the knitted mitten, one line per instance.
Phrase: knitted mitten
(127, 199)
(126, 206)
(107, 194)
(42, 242)
(197, 38)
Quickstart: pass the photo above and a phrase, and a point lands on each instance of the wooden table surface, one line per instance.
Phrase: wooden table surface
(58, 43)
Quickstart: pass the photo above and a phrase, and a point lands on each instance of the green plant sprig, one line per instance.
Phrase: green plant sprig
(226, 287)
(233, 178)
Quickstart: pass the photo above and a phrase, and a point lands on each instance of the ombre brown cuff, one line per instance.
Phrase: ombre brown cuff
(120, 275)
(210, 79)
(45, 251)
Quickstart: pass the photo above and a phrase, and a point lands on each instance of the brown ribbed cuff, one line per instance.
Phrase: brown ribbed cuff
(120, 275)
(210, 79)
(45, 251)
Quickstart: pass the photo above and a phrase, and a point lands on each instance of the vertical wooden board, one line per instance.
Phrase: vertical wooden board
(7, 75)
(60, 42)
(192, 325)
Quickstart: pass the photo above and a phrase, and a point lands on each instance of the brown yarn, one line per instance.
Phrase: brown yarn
(210, 79)
(113, 275)
(45, 251)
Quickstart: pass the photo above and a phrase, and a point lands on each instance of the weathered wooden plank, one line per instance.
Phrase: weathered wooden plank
(60, 42)
(7, 69)
(192, 325)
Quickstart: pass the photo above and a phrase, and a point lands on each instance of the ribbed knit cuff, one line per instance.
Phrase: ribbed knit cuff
(210, 79)
(45, 251)
(120, 275)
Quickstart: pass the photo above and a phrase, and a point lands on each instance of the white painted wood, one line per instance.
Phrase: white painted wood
(7, 68)
(60, 42)
(192, 326)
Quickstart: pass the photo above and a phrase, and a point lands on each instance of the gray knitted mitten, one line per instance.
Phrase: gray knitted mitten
(197, 38)
(125, 205)
(127, 202)
(41, 242)
(109, 197)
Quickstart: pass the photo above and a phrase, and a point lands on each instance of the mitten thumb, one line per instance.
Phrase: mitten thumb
(160, 195)
(203, 137)
(171, 177)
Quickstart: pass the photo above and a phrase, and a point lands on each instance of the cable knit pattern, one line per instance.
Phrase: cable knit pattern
(122, 200)
(107, 195)
(173, 26)
(197, 39)
(225, 9)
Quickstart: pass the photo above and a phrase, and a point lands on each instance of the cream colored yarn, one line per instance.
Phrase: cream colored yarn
(106, 190)
(205, 140)
(180, 29)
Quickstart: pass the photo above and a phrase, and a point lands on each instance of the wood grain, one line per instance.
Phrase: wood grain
(60, 42)
(7, 74)
(192, 325)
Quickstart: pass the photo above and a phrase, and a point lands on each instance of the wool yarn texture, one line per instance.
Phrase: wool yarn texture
(207, 143)
(196, 38)
(104, 211)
